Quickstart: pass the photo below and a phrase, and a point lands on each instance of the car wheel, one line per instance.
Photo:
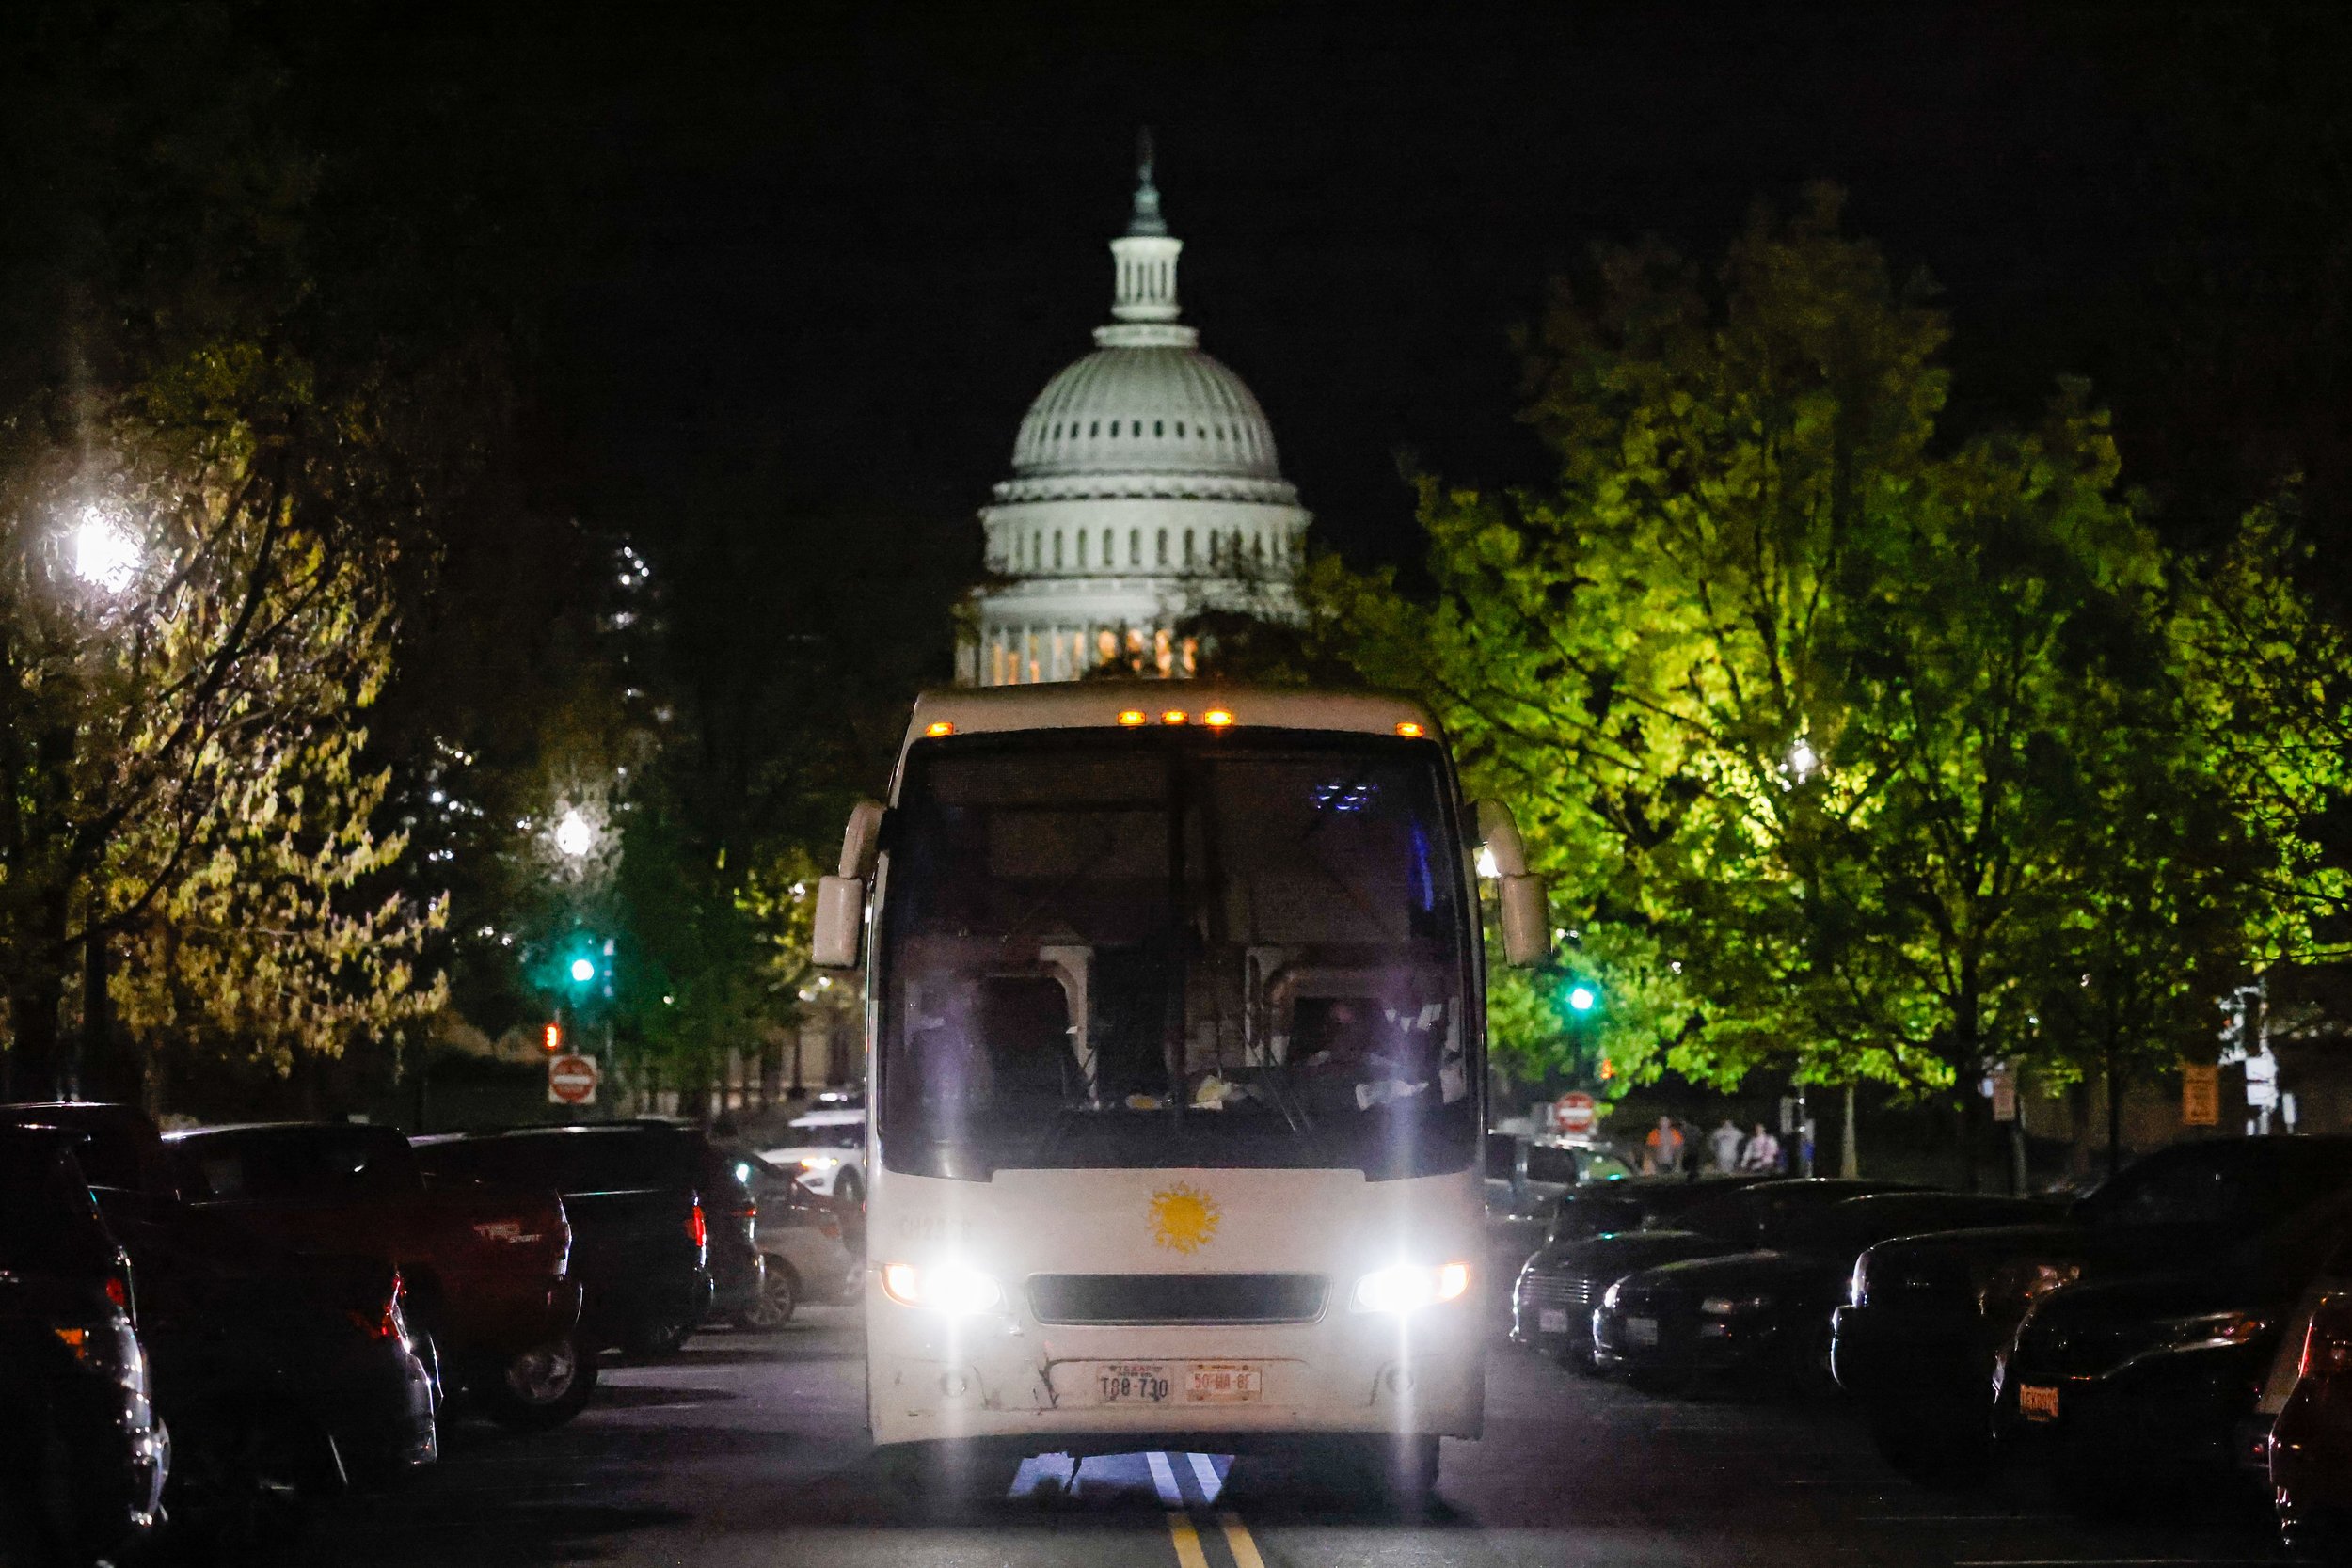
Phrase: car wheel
(1578, 1359)
(779, 1297)
(541, 1387)
(654, 1337)
(849, 1188)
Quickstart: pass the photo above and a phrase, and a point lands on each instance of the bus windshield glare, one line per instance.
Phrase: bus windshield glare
(1176, 948)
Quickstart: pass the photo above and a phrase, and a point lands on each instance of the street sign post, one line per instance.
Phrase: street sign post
(1574, 1112)
(572, 1080)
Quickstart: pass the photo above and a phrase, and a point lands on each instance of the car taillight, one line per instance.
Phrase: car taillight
(697, 1231)
(2328, 1343)
(119, 1290)
(382, 1323)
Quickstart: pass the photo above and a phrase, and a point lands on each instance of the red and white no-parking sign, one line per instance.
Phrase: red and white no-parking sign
(572, 1080)
(1573, 1112)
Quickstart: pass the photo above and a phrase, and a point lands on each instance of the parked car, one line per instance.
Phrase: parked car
(1641, 1203)
(485, 1269)
(1769, 1310)
(82, 1456)
(1526, 1176)
(285, 1377)
(647, 1201)
(1927, 1316)
(828, 1148)
(2308, 1453)
(282, 1375)
(799, 1239)
(2158, 1379)
(1555, 1293)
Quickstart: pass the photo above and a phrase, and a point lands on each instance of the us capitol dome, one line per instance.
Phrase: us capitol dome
(1144, 491)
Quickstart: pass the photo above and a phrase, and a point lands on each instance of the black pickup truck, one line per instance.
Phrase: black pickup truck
(1926, 1318)
(661, 1226)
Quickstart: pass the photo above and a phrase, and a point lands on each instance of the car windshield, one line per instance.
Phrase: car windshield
(2234, 1185)
(589, 1160)
(272, 1164)
(47, 1218)
(1171, 947)
(1843, 1229)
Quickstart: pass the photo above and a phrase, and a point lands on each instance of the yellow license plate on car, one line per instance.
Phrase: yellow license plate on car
(2037, 1401)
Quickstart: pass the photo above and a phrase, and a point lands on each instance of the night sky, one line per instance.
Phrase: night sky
(824, 259)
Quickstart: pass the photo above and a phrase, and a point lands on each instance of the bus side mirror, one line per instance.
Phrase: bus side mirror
(840, 921)
(1525, 908)
(1526, 921)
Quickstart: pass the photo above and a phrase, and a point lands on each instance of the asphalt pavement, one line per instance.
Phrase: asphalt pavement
(749, 1449)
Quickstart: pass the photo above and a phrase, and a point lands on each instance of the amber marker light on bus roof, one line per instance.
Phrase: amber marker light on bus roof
(1217, 717)
(1409, 730)
(938, 727)
(1174, 716)
(1131, 717)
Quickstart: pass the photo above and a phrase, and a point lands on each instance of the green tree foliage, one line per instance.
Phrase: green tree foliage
(1845, 747)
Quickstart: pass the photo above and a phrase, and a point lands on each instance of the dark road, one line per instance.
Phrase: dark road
(746, 1451)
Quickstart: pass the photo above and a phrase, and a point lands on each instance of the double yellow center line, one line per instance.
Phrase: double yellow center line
(1182, 1530)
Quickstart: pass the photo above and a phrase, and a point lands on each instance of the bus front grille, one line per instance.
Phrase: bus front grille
(1177, 1298)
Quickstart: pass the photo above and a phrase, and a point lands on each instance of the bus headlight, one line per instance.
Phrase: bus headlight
(1409, 1287)
(950, 1287)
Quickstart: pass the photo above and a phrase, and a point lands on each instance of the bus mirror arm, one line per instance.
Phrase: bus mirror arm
(861, 841)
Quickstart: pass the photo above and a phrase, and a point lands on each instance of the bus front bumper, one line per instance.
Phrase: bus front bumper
(1215, 1387)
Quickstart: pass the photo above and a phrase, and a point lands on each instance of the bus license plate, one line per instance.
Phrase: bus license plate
(1225, 1383)
(2036, 1402)
(1552, 1320)
(1135, 1383)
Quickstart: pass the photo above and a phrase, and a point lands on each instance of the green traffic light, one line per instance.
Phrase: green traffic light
(1582, 998)
(583, 971)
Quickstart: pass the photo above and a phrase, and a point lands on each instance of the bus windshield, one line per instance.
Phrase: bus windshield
(1175, 948)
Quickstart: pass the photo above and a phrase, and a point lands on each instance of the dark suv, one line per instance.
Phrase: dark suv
(82, 1456)
(662, 1229)
(1927, 1317)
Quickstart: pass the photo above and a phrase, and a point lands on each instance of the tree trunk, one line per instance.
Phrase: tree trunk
(35, 1066)
(1849, 1150)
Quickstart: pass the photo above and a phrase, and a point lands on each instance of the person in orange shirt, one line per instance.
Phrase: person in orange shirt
(1662, 1153)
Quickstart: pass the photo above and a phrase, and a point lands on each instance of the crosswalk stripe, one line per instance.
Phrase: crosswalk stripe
(1163, 1480)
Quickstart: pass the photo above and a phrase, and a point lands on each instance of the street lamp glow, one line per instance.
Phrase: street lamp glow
(583, 971)
(1581, 998)
(574, 835)
(1803, 761)
(105, 554)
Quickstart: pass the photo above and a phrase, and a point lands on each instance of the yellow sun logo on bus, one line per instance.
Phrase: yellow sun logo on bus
(1183, 1218)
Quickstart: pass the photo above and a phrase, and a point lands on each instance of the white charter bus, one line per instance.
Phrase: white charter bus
(1175, 1074)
